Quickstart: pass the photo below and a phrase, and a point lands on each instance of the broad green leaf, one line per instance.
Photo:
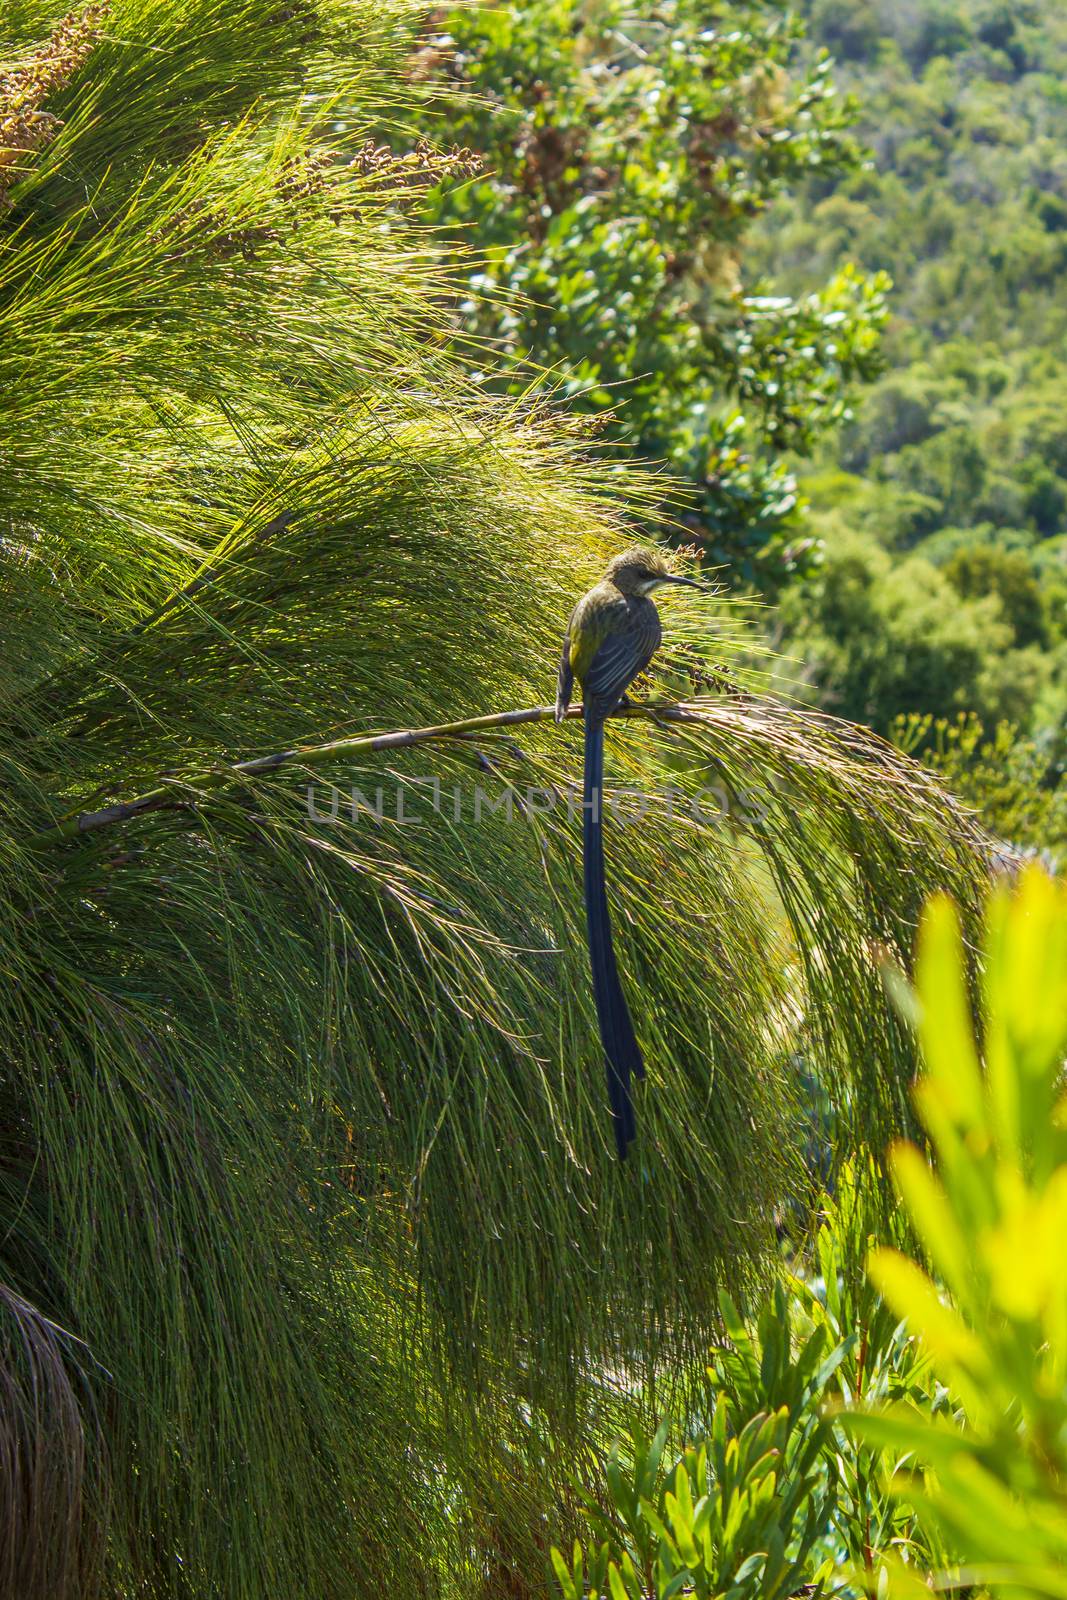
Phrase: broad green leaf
(945, 1030)
(569, 1587)
(932, 1213)
(615, 1583)
(913, 1296)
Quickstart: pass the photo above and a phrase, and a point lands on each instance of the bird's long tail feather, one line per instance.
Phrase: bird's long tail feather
(622, 1054)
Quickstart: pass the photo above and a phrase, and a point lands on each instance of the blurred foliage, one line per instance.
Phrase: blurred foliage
(628, 150)
(958, 453)
(1017, 786)
(990, 1208)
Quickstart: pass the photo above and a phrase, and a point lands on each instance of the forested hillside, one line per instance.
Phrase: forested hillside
(812, 259)
(943, 503)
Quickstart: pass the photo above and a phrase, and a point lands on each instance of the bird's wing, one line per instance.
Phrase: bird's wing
(619, 658)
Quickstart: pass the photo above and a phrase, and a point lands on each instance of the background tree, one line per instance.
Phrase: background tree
(628, 151)
(883, 637)
(957, 452)
(315, 1252)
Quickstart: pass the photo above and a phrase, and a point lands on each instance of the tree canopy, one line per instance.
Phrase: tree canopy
(627, 151)
(956, 454)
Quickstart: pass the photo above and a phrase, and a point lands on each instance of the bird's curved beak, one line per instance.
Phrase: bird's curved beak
(690, 583)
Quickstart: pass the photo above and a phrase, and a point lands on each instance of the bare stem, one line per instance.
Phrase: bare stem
(173, 795)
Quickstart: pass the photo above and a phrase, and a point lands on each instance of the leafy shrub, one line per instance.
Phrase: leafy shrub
(742, 1508)
(990, 1208)
(882, 1361)
(1017, 785)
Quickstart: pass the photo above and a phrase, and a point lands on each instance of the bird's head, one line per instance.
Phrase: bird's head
(640, 571)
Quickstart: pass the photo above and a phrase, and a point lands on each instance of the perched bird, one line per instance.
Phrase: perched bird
(613, 633)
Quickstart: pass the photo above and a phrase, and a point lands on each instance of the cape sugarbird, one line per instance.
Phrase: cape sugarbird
(613, 633)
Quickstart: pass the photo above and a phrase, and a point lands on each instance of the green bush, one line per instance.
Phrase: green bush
(628, 150)
(742, 1509)
(884, 636)
(990, 1208)
(1017, 786)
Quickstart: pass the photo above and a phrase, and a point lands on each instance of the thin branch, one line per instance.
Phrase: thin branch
(173, 795)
